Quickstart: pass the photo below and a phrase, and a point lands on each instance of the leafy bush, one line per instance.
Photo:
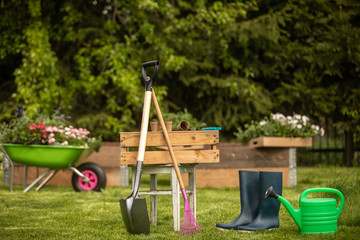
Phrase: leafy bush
(278, 125)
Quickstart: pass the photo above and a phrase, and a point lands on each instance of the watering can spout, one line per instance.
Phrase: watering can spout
(295, 214)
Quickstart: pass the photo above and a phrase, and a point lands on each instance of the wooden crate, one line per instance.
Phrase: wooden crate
(189, 147)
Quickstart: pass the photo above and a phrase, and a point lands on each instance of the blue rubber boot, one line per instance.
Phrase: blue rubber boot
(268, 214)
(249, 199)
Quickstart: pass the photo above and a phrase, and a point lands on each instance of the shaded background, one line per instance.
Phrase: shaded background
(223, 62)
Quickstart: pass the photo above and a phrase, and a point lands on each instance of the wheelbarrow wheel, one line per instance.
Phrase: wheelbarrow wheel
(95, 174)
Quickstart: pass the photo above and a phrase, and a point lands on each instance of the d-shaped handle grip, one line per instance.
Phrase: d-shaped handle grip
(149, 82)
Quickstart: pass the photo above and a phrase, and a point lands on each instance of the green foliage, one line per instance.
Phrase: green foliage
(279, 125)
(213, 74)
(17, 131)
(317, 57)
(37, 78)
(227, 63)
(11, 27)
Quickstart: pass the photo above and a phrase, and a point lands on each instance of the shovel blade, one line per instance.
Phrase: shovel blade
(135, 215)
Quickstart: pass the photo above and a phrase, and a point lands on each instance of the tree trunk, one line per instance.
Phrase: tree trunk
(349, 148)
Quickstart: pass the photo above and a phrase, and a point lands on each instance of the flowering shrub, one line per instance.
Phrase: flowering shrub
(46, 130)
(279, 125)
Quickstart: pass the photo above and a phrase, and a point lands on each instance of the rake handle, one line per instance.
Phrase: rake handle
(166, 135)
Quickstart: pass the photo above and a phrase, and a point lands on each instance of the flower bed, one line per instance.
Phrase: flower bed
(279, 125)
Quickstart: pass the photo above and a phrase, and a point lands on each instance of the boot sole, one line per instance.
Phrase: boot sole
(222, 229)
(247, 231)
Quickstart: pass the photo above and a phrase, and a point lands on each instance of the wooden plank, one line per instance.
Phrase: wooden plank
(156, 139)
(280, 142)
(229, 177)
(163, 157)
(155, 192)
(250, 158)
(108, 156)
(187, 147)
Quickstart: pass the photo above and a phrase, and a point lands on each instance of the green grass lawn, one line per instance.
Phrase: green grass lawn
(61, 213)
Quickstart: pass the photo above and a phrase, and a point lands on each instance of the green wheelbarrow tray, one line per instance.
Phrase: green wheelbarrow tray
(87, 176)
(47, 156)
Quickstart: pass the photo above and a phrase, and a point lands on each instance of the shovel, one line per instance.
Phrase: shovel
(133, 209)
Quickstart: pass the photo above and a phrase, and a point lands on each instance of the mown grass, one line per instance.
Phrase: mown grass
(57, 212)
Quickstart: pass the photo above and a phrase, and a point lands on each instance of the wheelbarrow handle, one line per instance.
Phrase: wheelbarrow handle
(150, 81)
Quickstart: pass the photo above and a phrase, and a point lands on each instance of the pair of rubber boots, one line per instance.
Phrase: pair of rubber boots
(257, 212)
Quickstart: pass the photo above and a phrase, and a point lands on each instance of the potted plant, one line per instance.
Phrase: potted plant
(279, 130)
(50, 142)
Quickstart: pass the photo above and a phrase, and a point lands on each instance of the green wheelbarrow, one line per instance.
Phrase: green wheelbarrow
(88, 176)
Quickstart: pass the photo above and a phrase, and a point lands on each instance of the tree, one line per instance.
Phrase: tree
(319, 63)
(37, 78)
(226, 62)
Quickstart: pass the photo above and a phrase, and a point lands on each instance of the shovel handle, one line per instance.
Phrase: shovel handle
(150, 81)
(166, 135)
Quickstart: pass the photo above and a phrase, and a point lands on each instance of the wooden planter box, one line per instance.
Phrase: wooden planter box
(218, 163)
(235, 157)
(280, 142)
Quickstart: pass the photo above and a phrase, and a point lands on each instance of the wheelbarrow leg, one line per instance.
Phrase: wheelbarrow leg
(36, 181)
(6, 156)
(46, 180)
(25, 176)
(85, 179)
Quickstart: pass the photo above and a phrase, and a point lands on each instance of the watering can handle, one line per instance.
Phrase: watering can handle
(329, 190)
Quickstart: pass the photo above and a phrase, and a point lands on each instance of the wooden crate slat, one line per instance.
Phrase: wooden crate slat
(163, 157)
(177, 138)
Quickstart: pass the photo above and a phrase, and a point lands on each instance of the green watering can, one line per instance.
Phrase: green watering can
(315, 215)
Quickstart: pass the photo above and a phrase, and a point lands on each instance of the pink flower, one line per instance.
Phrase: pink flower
(41, 125)
(32, 126)
(75, 131)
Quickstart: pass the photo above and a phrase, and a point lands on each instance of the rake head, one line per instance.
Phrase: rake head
(189, 224)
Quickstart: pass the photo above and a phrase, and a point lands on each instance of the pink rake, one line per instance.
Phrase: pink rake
(189, 224)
